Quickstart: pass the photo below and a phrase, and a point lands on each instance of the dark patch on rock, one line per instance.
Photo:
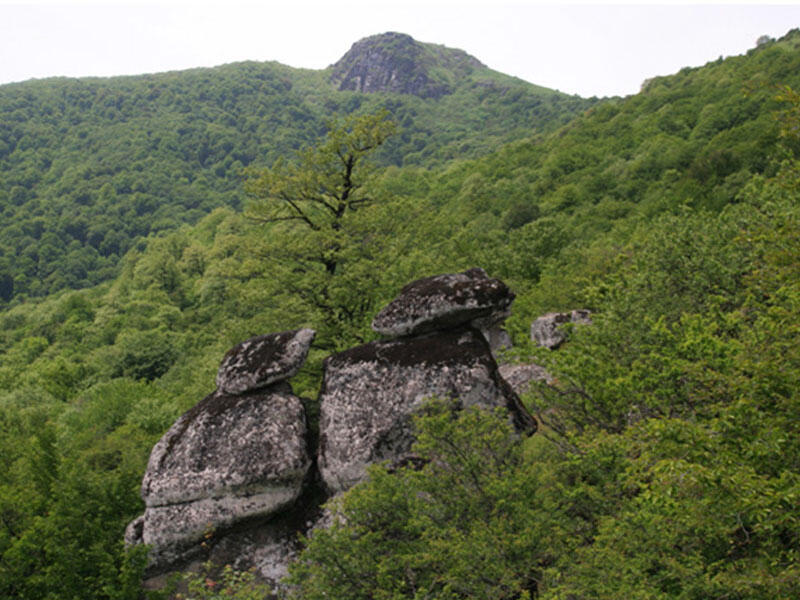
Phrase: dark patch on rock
(440, 348)
(263, 360)
(444, 301)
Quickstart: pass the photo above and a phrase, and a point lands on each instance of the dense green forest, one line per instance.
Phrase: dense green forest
(92, 166)
(667, 464)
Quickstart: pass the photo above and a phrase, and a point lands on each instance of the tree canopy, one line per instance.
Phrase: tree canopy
(325, 184)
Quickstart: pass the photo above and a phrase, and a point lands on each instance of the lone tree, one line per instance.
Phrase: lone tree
(324, 184)
(320, 241)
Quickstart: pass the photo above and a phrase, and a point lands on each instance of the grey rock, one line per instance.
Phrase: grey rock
(173, 524)
(546, 330)
(519, 377)
(230, 458)
(497, 338)
(134, 531)
(445, 301)
(581, 316)
(229, 444)
(263, 360)
(266, 548)
(395, 62)
(370, 392)
(182, 531)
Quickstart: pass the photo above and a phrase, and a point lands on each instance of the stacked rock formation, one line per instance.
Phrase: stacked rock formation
(240, 453)
(239, 462)
(370, 392)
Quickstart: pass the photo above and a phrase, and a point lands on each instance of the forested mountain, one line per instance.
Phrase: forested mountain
(90, 166)
(667, 462)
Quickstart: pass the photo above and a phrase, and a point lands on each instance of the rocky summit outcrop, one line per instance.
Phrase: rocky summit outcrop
(395, 62)
(369, 393)
(546, 331)
(231, 457)
(443, 301)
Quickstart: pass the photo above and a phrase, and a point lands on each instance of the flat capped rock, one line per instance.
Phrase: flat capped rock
(444, 301)
(263, 360)
(370, 392)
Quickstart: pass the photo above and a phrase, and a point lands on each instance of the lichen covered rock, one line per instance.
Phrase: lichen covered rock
(370, 392)
(263, 360)
(233, 480)
(229, 444)
(230, 458)
(445, 301)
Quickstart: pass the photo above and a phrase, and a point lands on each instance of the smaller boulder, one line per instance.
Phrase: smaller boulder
(546, 330)
(444, 302)
(263, 360)
(231, 445)
(519, 377)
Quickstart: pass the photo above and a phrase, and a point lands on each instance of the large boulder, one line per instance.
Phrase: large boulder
(546, 331)
(263, 360)
(228, 459)
(370, 392)
(226, 444)
(445, 301)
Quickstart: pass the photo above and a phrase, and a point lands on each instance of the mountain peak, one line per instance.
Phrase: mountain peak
(396, 62)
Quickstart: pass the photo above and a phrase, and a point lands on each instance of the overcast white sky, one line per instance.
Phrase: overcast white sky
(587, 49)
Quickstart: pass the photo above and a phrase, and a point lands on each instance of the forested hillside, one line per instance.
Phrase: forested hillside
(667, 463)
(91, 166)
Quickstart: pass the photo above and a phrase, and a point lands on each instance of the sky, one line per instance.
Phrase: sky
(589, 49)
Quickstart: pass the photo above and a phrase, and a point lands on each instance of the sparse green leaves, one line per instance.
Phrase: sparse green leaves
(326, 181)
